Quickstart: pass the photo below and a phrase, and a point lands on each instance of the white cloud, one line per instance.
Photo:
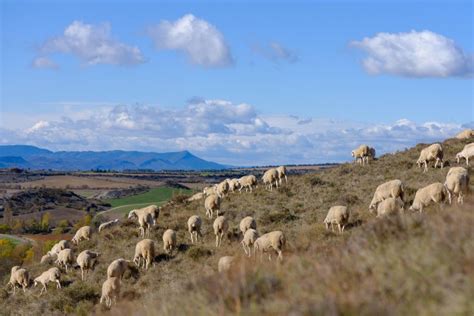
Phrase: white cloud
(201, 42)
(275, 52)
(223, 131)
(92, 44)
(414, 54)
(44, 62)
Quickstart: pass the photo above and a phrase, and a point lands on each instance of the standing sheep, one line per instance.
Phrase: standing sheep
(435, 192)
(169, 241)
(110, 291)
(209, 190)
(108, 224)
(144, 252)
(152, 210)
(19, 277)
(250, 237)
(430, 153)
(82, 233)
(361, 154)
(194, 227)
(390, 206)
(338, 215)
(274, 240)
(48, 258)
(282, 174)
(86, 261)
(234, 185)
(212, 203)
(269, 178)
(222, 189)
(247, 223)
(393, 188)
(225, 263)
(117, 268)
(65, 258)
(221, 225)
(466, 134)
(52, 275)
(466, 153)
(247, 182)
(145, 220)
(196, 197)
(457, 183)
(60, 245)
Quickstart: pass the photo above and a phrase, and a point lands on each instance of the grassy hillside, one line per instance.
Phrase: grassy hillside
(412, 264)
(155, 195)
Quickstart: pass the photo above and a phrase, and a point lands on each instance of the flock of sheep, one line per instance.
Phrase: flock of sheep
(388, 199)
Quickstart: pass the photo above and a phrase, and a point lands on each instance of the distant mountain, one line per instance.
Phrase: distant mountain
(32, 157)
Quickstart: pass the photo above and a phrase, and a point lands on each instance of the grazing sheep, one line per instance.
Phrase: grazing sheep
(269, 178)
(466, 134)
(48, 258)
(117, 268)
(247, 182)
(390, 206)
(338, 215)
(196, 197)
(212, 203)
(194, 227)
(435, 192)
(108, 224)
(274, 240)
(466, 153)
(225, 263)
(60, 245)
(86, 261)
(19, 277)
(82, 233)
(457, 183)
(221, 225)
(65, 258)
(110, 291)
(393, 188)
(222, 189)
(234, 185)
(250, 237)
(169, 241)
(247, 223)
(144, 252)
(430, 153)
(282, 174)
(153, 210)
(145, 220)
(51, 275)
(209, 190)
(361, 154)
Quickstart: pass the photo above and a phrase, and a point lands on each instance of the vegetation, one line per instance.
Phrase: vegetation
(155, 195)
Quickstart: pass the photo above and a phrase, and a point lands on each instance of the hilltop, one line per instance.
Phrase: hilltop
(411, 264)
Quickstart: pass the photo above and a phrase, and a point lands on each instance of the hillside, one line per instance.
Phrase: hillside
(411, 264)
(23, 156)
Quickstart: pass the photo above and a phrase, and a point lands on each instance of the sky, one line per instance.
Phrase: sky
(236, 82)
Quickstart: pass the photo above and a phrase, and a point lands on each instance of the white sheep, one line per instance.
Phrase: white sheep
(196, 197)
(86, 261)
(250, 237)
(19, 277)
(194, 227)
(247, 223)
(393, 188)
(338, 215)
(60, 245)
(51, 275)
(247, 182)
(108, 224)
(210, 190)
(145, 220)
(466, 153)
(65, 258)
(222, 188)
(82, 233)
(153, 210)
(435, 192)
(466, 134)
(169, 241)
(144, 253)
(225, 263)
(48, 258)
(390, 206)
(273, 240)
(269, 178)
(234, 184)
(361, 154)
(430, 153)
(110, 291)
(221, 225)
(457, 183)
(211, 204)
(117, 268)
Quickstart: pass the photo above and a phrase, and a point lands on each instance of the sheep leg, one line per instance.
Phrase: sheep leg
(217, 240)
(245, 249)
(339, 226)
(82, 274)
(280, 255)
(58, 284)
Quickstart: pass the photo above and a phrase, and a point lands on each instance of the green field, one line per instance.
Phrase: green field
(156, 195)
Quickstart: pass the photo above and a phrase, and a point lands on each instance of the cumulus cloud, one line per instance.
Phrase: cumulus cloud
(92, 44)
(201, 42)
(44, 62)
(275, 52)
(414, 54)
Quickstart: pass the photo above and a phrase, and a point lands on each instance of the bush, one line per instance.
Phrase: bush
(198, 252)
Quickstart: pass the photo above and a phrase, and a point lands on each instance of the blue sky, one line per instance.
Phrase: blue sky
(283, 60)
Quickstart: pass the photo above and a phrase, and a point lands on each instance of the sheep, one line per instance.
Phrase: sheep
(194, 227)
(247, 223)
(361, 154)
(390, 206)
(250, 237)
(144, 250)
(110, 291)
(209, 190)
(60, 245)
(153, 210)
(337, 215)
(247, 182)
(457, 183)
(269, 178)
(169, 241)
(86, 261)
(19, 277)
(221, 225)
(466, 134)
(212, 203)
(65, 258)
(372, 153)
(51, 275)
(234, 184)
(196, 197)
(432, 152)
(48, 258)
(225, 263)
(145, 220)
(222, 189)
(466, 153)
(82, 233)
(117, 268)
(274, 240)
(435, 192)
(282, 174)
(393, 188)
(108, 224)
